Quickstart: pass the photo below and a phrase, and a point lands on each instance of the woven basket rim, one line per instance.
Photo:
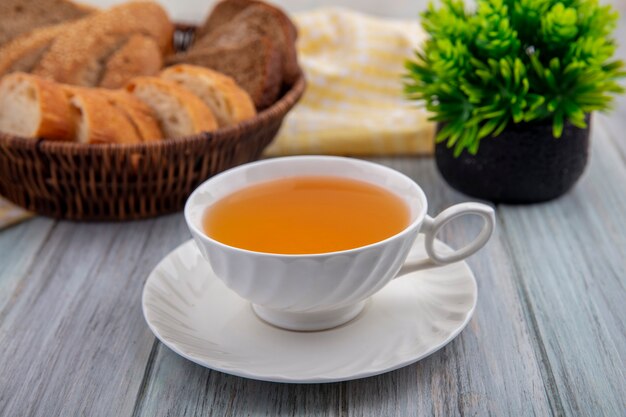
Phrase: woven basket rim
(278, 109)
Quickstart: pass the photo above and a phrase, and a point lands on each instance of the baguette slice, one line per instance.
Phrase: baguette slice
(24, 52)
(254, 65)
(78, 55)
(18, 17)
(259, 19)
(97, 120)
(140, 55)
(140, 115)
(179, 111)
(33, 107)
(229, 103)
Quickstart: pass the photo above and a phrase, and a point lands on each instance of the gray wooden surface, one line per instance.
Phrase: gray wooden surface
(548, 336)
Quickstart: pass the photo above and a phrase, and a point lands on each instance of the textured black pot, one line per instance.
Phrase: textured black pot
(524, 164)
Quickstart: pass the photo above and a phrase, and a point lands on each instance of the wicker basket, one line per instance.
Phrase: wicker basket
(122, 182)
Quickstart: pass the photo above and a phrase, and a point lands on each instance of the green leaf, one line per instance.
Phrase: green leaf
(553, 105)
(488, 127)
(575, 114)
(517, 113)
(557, 125)
(501, 127)
(534, 101)
(550, 79)
(444, 133)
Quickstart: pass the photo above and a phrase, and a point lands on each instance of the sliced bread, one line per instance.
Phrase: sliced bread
(140, 115)
(140, 55)
(229, 102)
(258, 19)
(179, 111)
(32, 107)
(18, 17)
(78, 56)
(254, 64)
(97, 120)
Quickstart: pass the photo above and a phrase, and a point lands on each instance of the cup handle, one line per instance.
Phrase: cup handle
(431, 228)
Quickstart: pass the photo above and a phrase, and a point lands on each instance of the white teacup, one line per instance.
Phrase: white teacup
(320, 291)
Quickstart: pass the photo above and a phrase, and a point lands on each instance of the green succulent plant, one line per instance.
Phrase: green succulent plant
(513, 61)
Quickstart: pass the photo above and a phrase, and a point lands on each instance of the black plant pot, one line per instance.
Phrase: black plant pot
(524, 164)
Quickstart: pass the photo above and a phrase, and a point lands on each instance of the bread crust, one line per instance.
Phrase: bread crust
(104, 122)
(140, 55)
(89, 42)
(139, 114)
(14, 55)
(201, 117)
(55, 121)
(18, 17)
(225, 10)
(230, 18)
(228, 60)
(239, 105)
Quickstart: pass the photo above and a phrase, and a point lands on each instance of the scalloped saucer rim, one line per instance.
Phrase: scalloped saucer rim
(181, 290)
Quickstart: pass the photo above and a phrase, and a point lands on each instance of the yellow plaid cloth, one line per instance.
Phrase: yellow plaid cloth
(11, 214)
(354, 104)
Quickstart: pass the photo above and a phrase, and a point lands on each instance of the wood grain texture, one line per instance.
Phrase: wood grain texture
(74, 342)
(537, 345)
(548, 336)
(19, 246)
(471, 376)
(569, 255)
(178, 387)
(615, 120)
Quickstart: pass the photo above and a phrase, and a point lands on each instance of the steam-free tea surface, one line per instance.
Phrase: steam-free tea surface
(299, 215)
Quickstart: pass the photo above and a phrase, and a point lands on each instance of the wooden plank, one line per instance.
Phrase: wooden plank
(492, 368)
(474, 375)
(613, 126)
(19, 245)
(570, 258)
(74, 342)
(178, 387)
(547, 337)
(615, 120)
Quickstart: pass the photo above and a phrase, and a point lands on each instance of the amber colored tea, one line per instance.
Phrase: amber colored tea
(306, 215)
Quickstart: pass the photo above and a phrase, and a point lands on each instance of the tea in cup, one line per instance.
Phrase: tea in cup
(308, 239)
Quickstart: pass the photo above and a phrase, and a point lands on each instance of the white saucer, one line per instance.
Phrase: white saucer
(193, 313)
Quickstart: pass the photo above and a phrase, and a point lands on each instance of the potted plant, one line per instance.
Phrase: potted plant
(525, 76)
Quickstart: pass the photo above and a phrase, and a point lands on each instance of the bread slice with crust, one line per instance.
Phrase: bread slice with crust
(254, 64)
(140, 115)
(179, 111)
(229, 103)
(18, 17)
(262, 20)
(32, 107)
(97, 120)
(139, 55)
(78, 56)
